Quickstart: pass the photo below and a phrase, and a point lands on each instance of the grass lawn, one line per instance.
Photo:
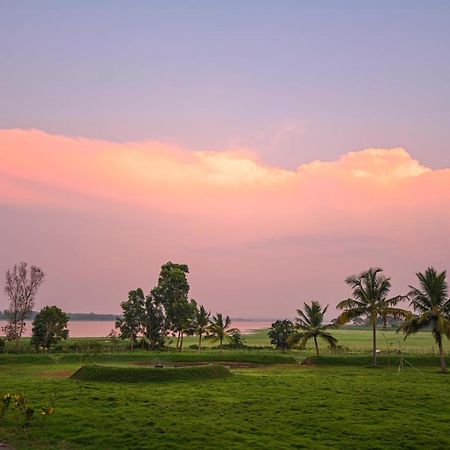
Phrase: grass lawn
(337, 403)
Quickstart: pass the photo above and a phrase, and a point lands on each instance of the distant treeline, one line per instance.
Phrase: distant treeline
(72, 316)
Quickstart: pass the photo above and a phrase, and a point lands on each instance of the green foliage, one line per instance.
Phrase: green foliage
(49, 327)
(154, 323)
(432, 303)
(201, 323)
(279, 334)
(309, 325)
(235, 339)
(143, 316)
(2, 345)
(218, 328)
(130, 324)
(370, 300)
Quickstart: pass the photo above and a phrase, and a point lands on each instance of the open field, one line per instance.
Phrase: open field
(350, 339)
(338, 402)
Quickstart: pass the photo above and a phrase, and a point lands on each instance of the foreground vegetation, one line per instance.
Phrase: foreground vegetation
(331, 403)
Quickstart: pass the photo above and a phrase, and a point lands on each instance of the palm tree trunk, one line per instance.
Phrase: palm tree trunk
(317, 347)
(442, 356)
(374, 341)
(221, 340)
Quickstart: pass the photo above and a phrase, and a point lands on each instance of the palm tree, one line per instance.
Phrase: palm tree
(310, 326)
(219, 328)
(432, 303)
(202, 322)
(370, 291)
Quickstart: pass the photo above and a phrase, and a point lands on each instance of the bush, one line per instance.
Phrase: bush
(2, 345)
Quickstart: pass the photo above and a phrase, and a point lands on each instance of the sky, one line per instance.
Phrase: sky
(274, 147)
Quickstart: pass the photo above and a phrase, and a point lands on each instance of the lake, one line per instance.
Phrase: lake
(94, 328)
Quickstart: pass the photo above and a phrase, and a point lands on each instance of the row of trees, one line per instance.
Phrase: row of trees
(371, 302)
(168, 311)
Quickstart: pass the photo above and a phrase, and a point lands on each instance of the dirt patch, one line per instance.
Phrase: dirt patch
(308, 362)
(5, 446)
(230, 364)
(60, 374)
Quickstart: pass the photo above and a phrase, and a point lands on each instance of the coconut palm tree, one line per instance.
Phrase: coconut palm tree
(201, 322)
(432, 303)
(309, 325)
(370, 292)
(218, 328)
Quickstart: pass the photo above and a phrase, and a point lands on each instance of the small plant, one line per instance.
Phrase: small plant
(18, 403)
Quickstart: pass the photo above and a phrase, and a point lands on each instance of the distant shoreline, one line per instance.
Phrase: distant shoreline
(88, 317)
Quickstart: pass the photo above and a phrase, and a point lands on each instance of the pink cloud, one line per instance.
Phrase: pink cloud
(250, 231)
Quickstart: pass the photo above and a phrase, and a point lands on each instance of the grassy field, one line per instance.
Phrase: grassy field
(268, 402)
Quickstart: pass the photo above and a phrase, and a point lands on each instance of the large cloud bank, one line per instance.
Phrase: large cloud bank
(253, 234)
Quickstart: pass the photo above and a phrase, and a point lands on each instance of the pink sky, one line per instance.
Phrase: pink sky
(101, 217)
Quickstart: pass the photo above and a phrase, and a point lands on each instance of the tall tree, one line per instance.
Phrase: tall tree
(219, 327)
(309, 325)
(154, 323)
(201, 324)
(370, 300)
(172, 292)
(432, 303)
(21, 288)
(49, 327)
(130, 324)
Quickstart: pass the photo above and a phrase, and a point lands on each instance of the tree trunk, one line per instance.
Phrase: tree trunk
(442, 356)
(200, 341)
(317, 347)
(181, 341)
(374, 341)
(221, 340)
(178, 340)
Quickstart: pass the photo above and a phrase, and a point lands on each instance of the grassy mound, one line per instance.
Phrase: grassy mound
(95, 372)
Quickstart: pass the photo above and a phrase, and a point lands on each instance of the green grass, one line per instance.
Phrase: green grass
(337, 403)
(244, 356)
(96, 372)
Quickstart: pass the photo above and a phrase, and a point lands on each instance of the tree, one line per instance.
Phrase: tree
(279, 334)
(130, 324)
(49, 327)
(309, 325)
(21, 288)
(235, 338)
(172, 292)
(432, 303)
(219, 328)
(370, 291)
(201, 324)
(154, 323)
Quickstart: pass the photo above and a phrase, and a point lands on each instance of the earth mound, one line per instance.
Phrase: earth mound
(95, 372)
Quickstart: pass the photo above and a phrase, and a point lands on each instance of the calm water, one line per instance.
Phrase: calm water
(102, 328)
